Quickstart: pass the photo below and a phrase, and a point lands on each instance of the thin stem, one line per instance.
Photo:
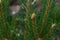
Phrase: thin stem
(49, 33)
(33, 17)
(3, 22)
(45, 16)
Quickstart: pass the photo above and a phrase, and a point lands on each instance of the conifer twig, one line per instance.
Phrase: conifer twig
(50, 31)
(3, 22)
(33, 17)
(45, 16)
(27, 7)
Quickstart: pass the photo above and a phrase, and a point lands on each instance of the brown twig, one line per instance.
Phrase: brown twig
(33, 17)
(27, 7)
(49, 33)
(3, 22)
(45, 16)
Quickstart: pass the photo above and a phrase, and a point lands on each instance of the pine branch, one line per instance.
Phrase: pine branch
(33, 18)
(50, 31)
(45, 16)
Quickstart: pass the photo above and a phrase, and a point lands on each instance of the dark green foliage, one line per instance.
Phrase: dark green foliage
(34, 20)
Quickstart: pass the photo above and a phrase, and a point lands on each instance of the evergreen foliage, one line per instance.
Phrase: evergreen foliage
(36, 20)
